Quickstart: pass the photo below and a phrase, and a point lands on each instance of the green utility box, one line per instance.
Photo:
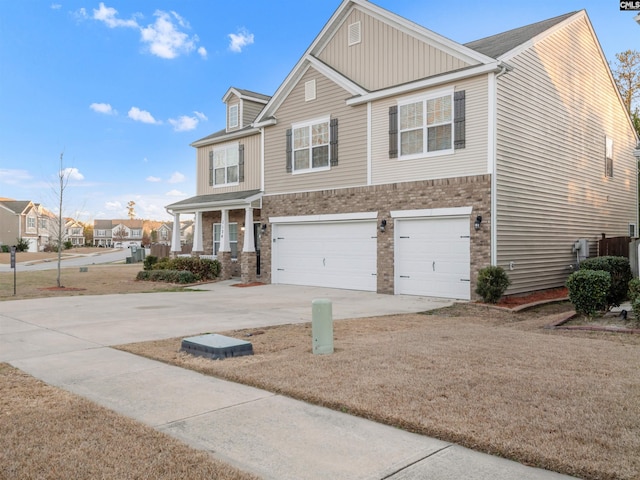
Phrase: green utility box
(322, 326)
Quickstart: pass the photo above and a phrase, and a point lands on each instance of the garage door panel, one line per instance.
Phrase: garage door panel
(433, 257)
(335, 255)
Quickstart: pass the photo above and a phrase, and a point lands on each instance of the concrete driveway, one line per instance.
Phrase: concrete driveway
(65, 342)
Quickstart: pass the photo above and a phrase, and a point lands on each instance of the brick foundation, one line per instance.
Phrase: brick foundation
(248, 264)
(226, 272)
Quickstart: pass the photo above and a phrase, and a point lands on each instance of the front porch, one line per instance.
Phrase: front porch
(227, 227)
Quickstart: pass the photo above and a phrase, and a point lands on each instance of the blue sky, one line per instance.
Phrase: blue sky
(123, 87)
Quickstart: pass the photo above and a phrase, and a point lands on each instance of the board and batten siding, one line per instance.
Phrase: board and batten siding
(251, 166)
(554, 111)
(385, 55)
(468, 161)
(352, 139)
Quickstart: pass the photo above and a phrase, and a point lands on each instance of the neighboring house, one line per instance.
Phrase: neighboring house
(74, 232)
(163, 234)
(19, 220)
(102, 236)
(395, 160)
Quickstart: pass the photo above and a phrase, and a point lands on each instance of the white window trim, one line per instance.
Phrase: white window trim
(309, 123)
(424, 98)
(237, 109)
(632, 226)
(235, 146)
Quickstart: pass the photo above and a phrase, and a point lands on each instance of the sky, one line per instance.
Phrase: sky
(121, 88)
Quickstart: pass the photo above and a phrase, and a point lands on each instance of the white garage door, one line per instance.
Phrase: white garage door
(327, 254)
(433, 257)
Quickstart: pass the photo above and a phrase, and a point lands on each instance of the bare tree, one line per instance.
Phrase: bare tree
(63, 177)
(626, 73)
(130, 210)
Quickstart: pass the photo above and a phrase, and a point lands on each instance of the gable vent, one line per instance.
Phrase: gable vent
(310, 90)
(354, 33)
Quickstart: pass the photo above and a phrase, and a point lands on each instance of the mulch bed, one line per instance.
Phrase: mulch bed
(512, 301)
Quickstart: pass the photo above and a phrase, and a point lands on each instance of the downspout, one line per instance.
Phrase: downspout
(494, 168)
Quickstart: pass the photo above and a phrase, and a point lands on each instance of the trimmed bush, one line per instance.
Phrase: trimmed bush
(169, 276)
(588, 290)
(22, 245)
(620, 271)
(203, 269)
(492, 283)
(149, 261)
(634, 289)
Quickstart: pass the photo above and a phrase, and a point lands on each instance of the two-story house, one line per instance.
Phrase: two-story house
(395, 160)
(74, 232)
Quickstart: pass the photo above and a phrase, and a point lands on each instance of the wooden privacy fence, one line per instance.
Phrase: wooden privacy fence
(614, 246)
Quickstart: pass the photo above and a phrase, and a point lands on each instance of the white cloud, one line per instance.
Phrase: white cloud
(163, 37)
(202, 52)
(176, 193)
(240, 40)
(108, 16)
(153, 179)
(13, 177)
(72, 174)
(112, 206)
(56, 6)
(80, 14)
(177, 177)
(142, 116)
(103, 108)
(184, 123)
(201, 116)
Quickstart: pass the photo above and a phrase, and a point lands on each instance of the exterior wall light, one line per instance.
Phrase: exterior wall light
(264, 228)
(476, 225)
(383, 225)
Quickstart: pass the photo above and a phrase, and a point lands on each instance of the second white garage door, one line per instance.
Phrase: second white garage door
(326, 254)
(432, 257)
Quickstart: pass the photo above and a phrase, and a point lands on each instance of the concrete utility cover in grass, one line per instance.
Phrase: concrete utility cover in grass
(216, 346)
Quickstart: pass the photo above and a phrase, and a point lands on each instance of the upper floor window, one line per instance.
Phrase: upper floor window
(136, 232)
(43, 223)
(233, 116)
(224, 165)
(31, 222)
(426, 126)
(101, 233)
(311, 146)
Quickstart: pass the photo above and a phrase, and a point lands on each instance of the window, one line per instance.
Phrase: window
(233, 116)
(224, 165)
(632, 230)
(233, 239)
(43, 223)
(608, 157)
(426, 126)
(164, 235)
(100, 233)
(311, 146)
(136, 232)
(31, 222)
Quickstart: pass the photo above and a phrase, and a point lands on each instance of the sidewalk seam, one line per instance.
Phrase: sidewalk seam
(415, 462)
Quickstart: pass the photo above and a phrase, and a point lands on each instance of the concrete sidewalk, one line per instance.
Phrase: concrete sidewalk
(65, 342)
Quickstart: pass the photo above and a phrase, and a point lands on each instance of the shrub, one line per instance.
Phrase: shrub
(492, 283)
(68, 245)
(5, 248)
(588, 290)
(620, 271)
(203, 269)
(169, 276)
(149, 261)
(634, 289)
(22, 245)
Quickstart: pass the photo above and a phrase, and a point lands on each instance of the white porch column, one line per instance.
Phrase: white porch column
(175, 236)
(225, 246)
(249, 241)
(197, 234)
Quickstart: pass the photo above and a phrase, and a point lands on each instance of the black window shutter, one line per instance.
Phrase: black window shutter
(333, 142)
(393, 131)
(459, 119)
(211, 168)
(241, 162)
(289, 152)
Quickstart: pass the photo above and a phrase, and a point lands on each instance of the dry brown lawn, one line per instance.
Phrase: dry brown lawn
(97, 280)
(493, 381)
(47, 433)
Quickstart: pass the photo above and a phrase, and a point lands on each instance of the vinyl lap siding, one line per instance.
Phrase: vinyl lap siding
(352, 139)
(385, 56)
(554, 111)
(471, 160)
(250, 111)
(251, 167)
